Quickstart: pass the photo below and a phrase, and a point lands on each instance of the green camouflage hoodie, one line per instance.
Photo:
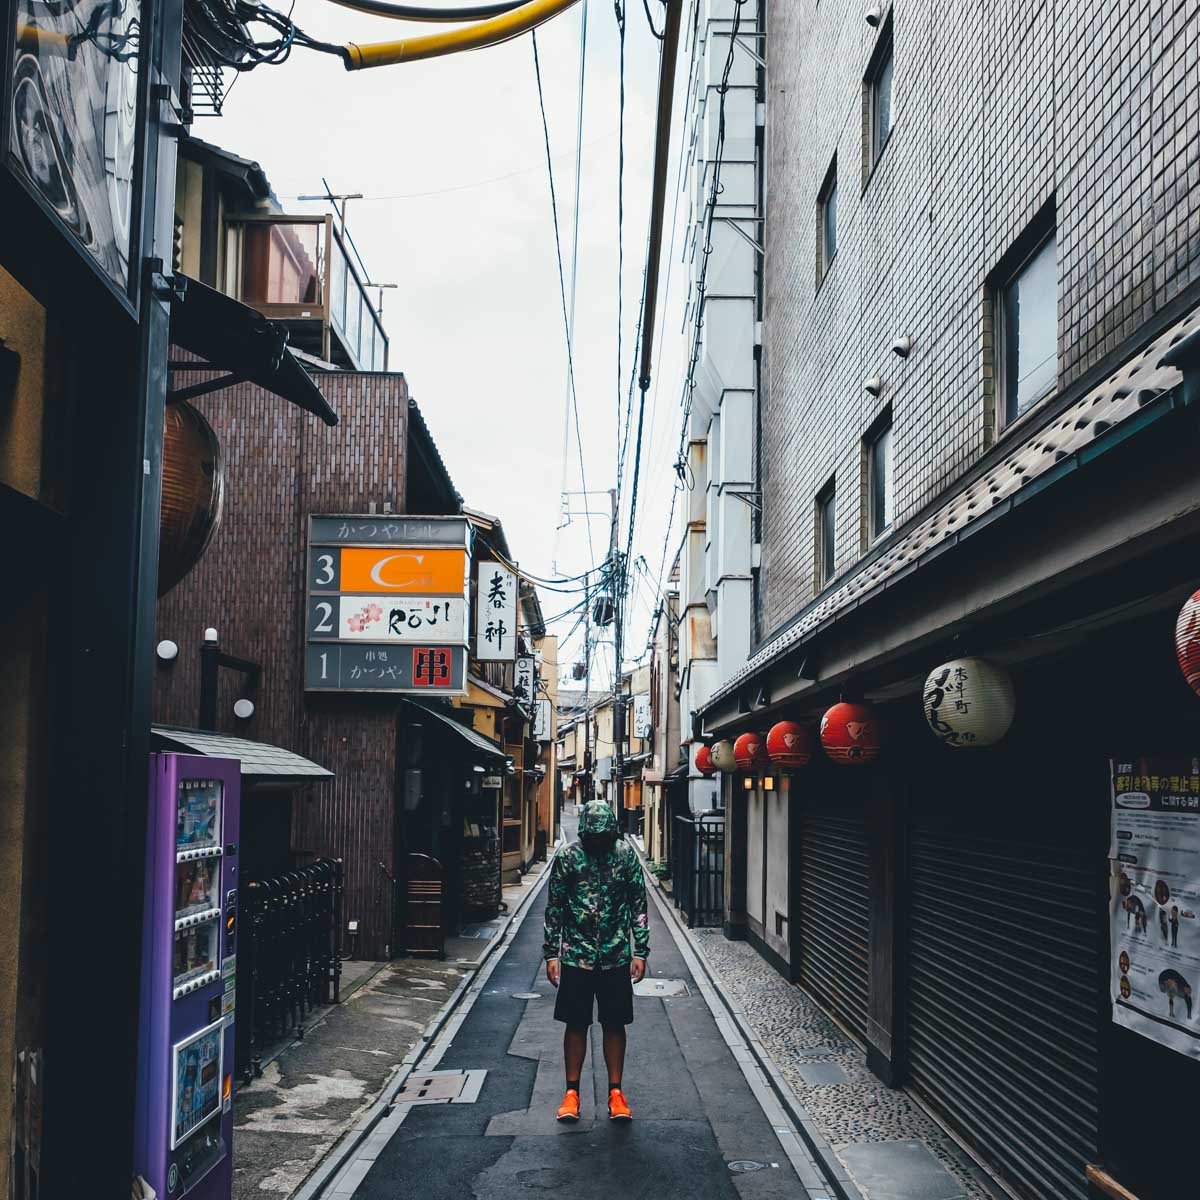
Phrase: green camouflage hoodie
(596, 902)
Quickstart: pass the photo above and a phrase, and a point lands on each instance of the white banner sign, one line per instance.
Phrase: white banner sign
(1155, 899)
(525, 680)
(542, 722)
(389, 618)
(496, 614)
(641, 716)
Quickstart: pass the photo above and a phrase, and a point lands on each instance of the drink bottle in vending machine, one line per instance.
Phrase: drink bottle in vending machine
(184, 1132)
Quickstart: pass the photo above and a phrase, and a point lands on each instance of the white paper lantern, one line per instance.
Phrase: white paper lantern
(722, 756)
(969, 702)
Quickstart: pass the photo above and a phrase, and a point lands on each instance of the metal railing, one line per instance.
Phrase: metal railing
(698, 867)
(287, 956)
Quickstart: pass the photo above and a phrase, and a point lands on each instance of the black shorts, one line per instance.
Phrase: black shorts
(610, 991)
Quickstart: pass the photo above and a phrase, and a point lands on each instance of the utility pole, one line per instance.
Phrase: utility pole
(589, 794)
(617, 580)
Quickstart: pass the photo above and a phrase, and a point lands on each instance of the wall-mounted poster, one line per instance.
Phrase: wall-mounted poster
(196, 1081)
(1154, 899)
(74, 118)
(198, 814)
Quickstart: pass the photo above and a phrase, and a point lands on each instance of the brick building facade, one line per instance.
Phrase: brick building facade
(980, 356)
(1000, 111)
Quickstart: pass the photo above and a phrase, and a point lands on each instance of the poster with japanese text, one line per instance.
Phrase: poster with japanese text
(496, 614)
(1154, 899)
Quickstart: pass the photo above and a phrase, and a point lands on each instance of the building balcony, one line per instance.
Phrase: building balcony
(296, 270)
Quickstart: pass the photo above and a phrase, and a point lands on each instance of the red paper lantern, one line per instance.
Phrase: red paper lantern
(850, 733)
(1187, 641)
(704, 762)
(789, 745)
(750, 752)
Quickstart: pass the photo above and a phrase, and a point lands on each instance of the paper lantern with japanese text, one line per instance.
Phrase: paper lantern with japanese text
(850, 733)
(750, 752)
(789, 745)
(722, 756)
(970, 702)
(1187, 641)
(704, 762)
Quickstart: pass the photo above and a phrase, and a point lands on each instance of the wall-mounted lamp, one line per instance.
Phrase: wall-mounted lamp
(874, 15)
(768, 783)
(874, 385)
(243, 709)
(166, 650)
(748, 783)
(210, 636)
(902, 346)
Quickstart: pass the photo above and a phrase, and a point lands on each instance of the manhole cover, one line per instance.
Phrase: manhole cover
(441, 1087)
(526, 995)
(744, 1165)
(661, 988)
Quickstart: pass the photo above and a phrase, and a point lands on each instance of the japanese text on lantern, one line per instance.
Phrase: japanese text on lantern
(386, 604)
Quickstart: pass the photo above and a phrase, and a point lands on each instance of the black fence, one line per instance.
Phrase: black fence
(698, 867)
(288, 958)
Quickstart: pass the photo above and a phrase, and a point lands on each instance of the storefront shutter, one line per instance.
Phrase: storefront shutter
(1004, 957)
(834, 917)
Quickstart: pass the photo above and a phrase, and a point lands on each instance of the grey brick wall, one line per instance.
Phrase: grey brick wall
(999, 108)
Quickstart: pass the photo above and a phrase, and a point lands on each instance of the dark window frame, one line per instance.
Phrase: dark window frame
(827, 222)
(883, 57)
(879, 520)
(825, 512)
(1041, 233)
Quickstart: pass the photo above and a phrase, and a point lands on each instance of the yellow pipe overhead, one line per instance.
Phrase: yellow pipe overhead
(475, 37)
(435, 16)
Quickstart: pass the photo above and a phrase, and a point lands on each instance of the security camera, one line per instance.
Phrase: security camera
(874, 15)
(902, 346)
(874, 385)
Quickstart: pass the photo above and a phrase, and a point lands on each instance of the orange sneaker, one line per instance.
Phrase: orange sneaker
(618, 1106)
(568, 1110)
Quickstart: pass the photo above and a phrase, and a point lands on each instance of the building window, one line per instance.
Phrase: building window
(1028, 313)
(826, 533)
(827, 222)
(879, 478)
(879, 98)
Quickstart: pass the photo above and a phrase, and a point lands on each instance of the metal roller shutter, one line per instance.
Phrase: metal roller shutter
(1003, 1028)
(834, 912)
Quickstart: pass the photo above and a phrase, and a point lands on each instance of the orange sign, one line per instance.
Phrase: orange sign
(379, 569)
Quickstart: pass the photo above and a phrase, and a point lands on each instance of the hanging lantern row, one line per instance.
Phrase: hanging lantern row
(749, 752)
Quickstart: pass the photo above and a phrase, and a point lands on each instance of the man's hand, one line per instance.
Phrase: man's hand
(553, 971)
(637, 970)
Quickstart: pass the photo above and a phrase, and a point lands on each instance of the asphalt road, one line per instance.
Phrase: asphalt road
(694, 1113)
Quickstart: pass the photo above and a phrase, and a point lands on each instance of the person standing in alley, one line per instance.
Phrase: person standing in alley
(597, 904)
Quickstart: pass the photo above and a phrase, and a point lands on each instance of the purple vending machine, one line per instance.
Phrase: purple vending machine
(184, 1140)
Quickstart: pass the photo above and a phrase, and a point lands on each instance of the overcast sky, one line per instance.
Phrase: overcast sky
(450, 157)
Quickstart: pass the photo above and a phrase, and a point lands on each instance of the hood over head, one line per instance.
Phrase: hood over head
(598, 817)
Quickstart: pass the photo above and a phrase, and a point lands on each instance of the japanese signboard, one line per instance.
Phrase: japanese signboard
(386, 608)
(641, 716)
(496, 614)
(1154, 899)
(525, 680)
(541, 721)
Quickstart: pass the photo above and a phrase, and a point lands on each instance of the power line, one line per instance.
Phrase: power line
(562, 286)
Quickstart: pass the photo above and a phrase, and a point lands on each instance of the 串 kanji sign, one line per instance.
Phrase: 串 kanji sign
(387, 604)
(496, 614)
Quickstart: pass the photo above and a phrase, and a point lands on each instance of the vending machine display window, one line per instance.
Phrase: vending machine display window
(196, 1081)
(196, 951)
(198, 815)
(197, 886)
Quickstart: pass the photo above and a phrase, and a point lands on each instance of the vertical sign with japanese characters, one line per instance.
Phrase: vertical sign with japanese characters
(1154, 899)
(542, 721)
(525, 680)
(386, 607)
(641, 715)
(495, 614)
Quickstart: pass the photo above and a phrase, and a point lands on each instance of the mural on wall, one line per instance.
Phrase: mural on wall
(74, 118)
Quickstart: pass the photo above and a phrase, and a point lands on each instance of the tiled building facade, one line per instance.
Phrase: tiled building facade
(1003, 115)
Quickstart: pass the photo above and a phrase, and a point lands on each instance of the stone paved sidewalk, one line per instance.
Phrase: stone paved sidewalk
(888, 1146)
(314, 1089)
